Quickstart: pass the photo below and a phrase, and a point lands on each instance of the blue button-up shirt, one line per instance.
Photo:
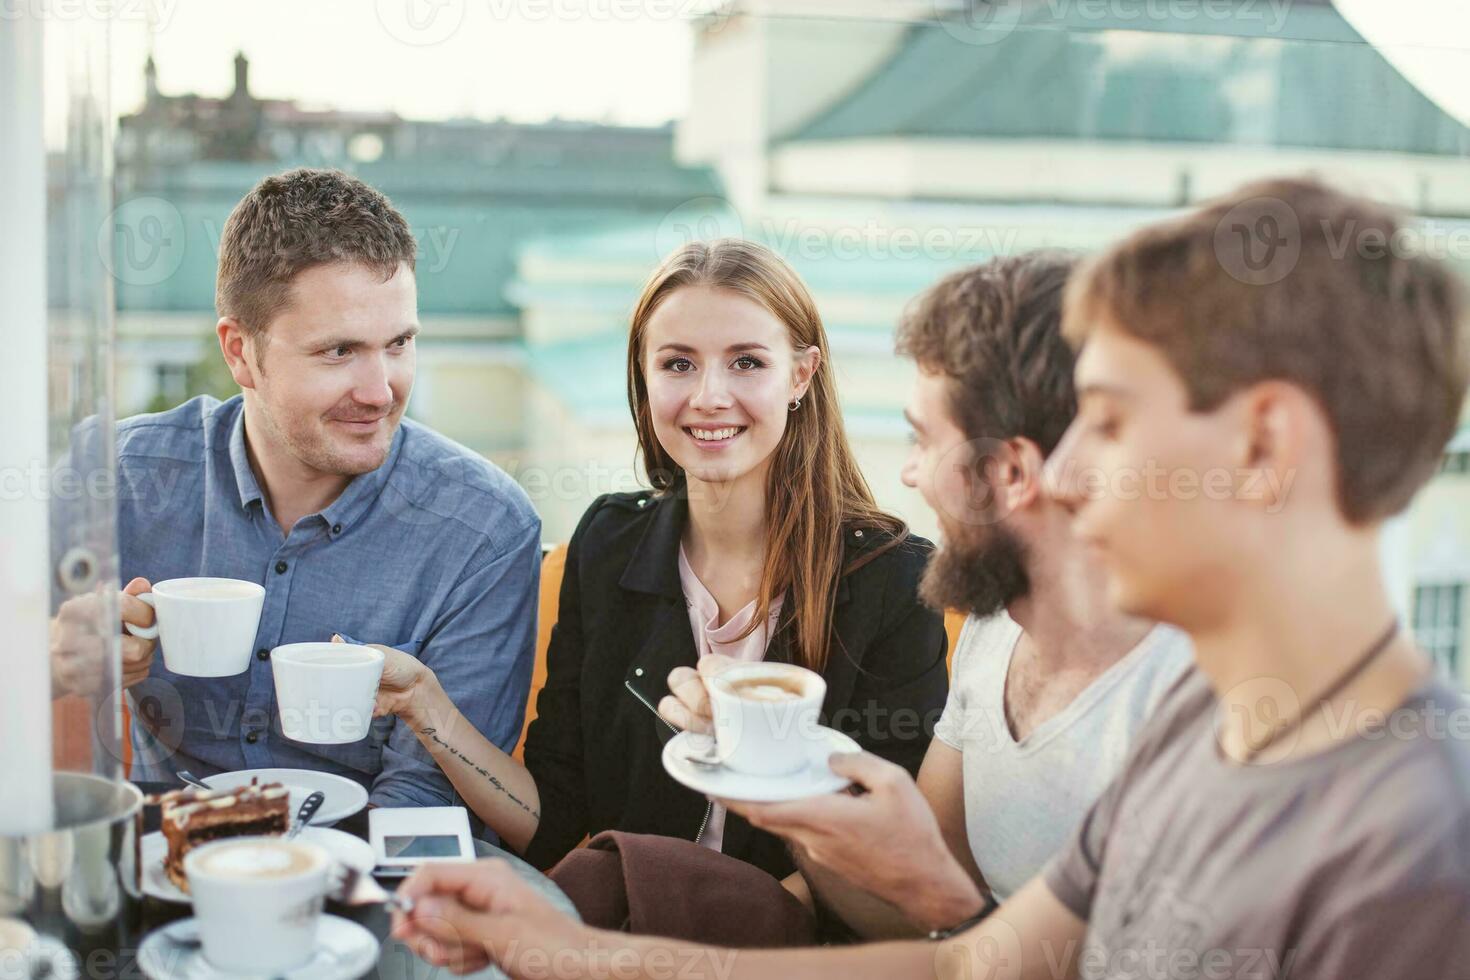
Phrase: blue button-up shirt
(436, 553)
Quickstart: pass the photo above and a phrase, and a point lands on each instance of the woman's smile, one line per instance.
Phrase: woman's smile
(714, 437)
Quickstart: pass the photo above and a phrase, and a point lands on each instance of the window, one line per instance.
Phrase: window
(1455, 462)
(1437, 619)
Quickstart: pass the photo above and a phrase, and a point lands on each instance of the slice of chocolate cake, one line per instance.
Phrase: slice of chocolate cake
(192, 817)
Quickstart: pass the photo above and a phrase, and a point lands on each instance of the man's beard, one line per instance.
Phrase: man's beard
(977, 571)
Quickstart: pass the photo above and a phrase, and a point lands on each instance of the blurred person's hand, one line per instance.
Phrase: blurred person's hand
(854, 835)
(687, 705)
(407, 688)
(78, 647)
(469, 916)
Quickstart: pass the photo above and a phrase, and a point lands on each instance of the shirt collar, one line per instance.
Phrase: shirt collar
(340, 513)
(240, 461)
(360, 494)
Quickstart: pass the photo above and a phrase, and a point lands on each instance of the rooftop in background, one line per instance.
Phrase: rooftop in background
(1301, 82)
(471, 190)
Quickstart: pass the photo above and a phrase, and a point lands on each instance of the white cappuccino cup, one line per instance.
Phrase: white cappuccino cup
(325, 691)
(257, 901)
(766, 717)
(205, 626)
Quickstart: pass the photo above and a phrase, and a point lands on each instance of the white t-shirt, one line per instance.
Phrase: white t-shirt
(1024, 799)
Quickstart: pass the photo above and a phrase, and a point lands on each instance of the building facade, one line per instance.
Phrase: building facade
(874, 152)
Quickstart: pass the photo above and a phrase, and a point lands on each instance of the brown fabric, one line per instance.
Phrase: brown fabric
(664, 886)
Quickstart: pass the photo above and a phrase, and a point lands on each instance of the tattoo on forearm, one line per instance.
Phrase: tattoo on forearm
(433, 734)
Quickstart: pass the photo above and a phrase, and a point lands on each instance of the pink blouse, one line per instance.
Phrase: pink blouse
(712, 637)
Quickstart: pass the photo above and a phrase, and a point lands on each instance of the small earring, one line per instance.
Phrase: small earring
(795, 404)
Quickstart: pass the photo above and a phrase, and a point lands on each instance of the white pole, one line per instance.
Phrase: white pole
(25, 594)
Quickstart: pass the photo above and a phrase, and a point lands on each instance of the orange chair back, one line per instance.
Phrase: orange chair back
(552, 568)
(953, 623)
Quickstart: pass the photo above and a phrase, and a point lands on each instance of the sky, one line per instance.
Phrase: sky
(1428, 41)
(617, 60)
(625, 61)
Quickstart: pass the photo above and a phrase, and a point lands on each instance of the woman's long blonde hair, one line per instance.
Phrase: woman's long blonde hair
(814, 489)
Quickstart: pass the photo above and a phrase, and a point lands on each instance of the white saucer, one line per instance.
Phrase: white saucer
(721, 783)
(345, 848)
(344, 797)
(344, 951)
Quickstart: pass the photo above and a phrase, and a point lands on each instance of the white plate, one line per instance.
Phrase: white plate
(344, 797)
(344, 950)
(349, 850)
(813, 780)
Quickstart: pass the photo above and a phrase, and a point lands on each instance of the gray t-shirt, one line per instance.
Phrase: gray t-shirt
(1023, 799)
(1354, 863)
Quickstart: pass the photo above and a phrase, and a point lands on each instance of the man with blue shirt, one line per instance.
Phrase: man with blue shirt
(310, 482)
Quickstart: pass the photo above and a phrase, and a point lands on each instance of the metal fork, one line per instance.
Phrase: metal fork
(353, 886)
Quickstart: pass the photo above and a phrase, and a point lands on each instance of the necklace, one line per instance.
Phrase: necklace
(1253, 749)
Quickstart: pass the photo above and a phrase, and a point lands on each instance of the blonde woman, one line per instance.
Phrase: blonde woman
(758, 540)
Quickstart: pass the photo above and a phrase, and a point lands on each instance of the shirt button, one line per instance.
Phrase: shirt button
(642, 501)
(262, 654)
(336, 528)
(281, 568)
(858, 533)
(637, 671)
(253, 737)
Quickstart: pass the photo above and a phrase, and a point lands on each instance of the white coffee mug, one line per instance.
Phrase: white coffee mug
(257, 923)
(766, 737)
(205, 626)
(325, 691)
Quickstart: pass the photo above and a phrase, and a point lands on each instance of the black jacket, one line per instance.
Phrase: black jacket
(594, 750)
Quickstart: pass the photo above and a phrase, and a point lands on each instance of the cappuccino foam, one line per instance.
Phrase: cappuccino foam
(767, 689)
(258, 859)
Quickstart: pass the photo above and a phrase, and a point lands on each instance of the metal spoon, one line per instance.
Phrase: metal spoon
(706, 758)
(309, 807)
(185, 776)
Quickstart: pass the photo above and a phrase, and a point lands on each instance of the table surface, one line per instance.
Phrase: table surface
(395, 961)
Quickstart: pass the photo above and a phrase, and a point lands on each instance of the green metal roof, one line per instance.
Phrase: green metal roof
(1312, 81)
(641, 245)
(469, 220)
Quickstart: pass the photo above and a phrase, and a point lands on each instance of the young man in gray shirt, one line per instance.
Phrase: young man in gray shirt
(1298, 807)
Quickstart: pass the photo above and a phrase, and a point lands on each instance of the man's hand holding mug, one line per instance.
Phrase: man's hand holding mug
(78, 646)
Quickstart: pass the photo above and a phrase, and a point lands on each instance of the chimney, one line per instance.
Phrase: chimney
(150, 80)
(242, 76)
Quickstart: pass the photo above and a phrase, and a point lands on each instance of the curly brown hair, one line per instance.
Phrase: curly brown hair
(994, 332)
(293, 221)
